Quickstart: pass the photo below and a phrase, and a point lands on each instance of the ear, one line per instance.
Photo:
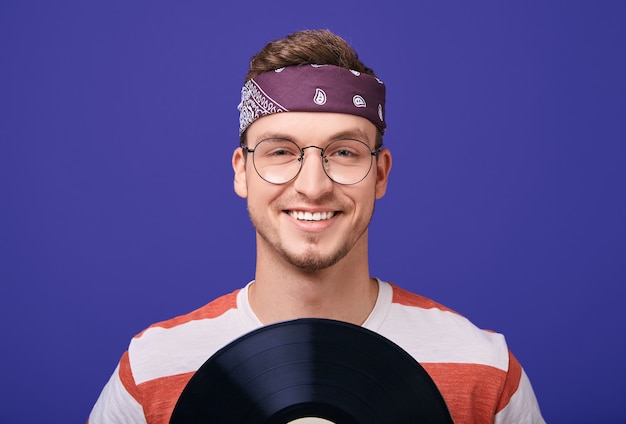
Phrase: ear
(383, 167)
(239, 166)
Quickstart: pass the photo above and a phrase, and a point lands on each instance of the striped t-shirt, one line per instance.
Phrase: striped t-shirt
(478, 377)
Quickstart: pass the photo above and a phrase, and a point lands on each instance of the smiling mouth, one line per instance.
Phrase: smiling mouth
(311, 216)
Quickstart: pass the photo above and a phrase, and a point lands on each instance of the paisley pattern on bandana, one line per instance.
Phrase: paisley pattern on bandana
(255, 103)
(313, 88)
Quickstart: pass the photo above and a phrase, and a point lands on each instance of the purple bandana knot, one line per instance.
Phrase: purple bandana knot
(313, 88)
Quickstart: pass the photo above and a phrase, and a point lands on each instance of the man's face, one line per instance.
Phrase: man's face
(337, 216)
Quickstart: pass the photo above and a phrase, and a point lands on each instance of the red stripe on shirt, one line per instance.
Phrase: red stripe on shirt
(470, 390)
(211, 310)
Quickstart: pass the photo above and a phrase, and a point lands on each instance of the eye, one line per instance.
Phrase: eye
(344, 153)
(277, 150)
(345, 149)
(280, 152)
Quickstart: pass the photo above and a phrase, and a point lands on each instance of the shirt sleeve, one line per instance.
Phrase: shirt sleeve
(518, 404)
(119, 400)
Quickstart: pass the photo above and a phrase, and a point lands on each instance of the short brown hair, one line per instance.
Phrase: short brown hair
(306, 47)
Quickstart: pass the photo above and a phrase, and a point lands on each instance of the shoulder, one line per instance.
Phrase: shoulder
(472, 367)
(211, 310)
(181, 344)
(404, 297)
(218, 310)
(434, 333)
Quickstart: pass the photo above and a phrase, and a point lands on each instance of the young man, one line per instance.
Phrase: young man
(311, 166)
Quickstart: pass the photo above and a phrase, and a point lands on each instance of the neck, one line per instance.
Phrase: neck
(343, 291)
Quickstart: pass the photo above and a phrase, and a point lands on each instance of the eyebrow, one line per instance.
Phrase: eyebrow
(354, 134)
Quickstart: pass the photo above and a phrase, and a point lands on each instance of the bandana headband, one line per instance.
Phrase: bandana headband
(313, 88)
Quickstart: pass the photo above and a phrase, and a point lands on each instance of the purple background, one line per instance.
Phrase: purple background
(507, 199)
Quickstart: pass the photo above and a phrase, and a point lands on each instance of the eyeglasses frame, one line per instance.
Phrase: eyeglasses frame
(301, 160)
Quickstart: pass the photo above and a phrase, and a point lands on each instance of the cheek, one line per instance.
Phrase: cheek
(364, 201)
(261, 195)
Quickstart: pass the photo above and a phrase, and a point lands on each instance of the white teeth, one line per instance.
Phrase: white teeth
(311, 216)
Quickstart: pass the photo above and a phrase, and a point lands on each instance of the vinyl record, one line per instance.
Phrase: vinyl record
(330, 370)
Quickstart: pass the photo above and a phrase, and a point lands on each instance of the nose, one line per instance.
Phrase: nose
(312, 180)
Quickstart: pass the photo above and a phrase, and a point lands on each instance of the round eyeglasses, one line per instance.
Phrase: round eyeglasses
(279, 161)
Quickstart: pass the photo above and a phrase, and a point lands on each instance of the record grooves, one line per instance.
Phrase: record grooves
(322, 368)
